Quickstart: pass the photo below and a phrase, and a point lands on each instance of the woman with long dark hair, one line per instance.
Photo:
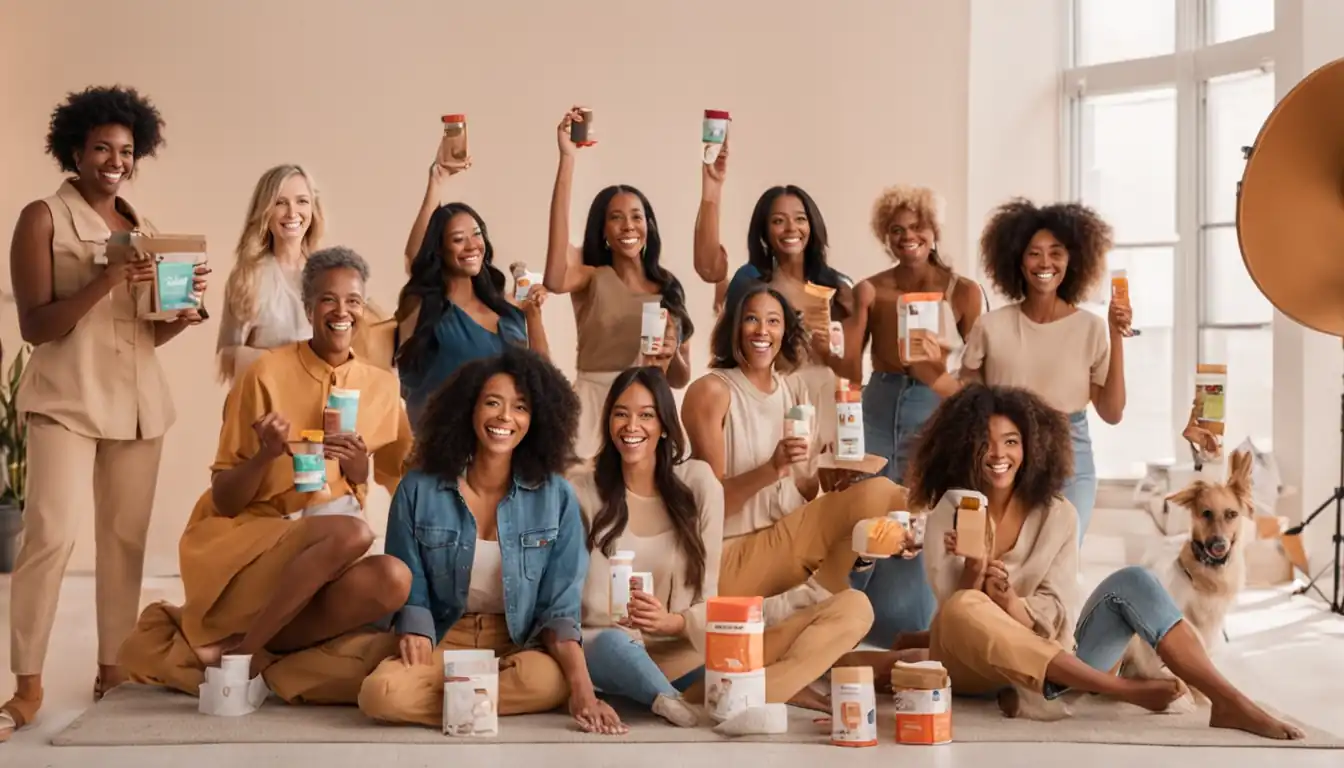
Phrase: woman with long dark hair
(612, 276)
(787, 250)
(647, 498)
(494, 540)
(453, 309)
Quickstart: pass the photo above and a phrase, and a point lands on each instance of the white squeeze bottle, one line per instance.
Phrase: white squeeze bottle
(622, 568)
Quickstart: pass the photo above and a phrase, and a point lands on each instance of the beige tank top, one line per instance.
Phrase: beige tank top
(752, 428)
(103, 379)
(607, 318)
(884, 325)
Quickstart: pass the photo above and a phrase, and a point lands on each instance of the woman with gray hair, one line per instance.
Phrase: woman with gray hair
(273, 561)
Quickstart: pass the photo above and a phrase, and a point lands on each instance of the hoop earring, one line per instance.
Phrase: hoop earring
(606, 244)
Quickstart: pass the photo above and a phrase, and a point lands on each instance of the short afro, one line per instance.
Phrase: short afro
(1078, 228)
(955, 440)
(102, 105)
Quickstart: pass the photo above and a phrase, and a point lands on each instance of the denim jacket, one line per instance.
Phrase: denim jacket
(541, 544)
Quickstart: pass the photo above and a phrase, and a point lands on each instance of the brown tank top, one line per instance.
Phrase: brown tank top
(607, 320)
(103, 379)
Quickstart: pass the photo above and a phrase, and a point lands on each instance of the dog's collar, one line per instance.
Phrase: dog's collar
(1202, 555)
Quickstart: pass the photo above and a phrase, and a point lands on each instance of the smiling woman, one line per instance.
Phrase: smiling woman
(485, 506)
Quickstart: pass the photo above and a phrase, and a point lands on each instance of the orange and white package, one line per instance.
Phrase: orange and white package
(734, 634)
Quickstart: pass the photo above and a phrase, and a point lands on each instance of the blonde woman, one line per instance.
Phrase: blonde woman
(263, 308)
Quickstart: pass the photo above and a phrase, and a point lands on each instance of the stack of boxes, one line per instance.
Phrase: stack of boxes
(734, 655)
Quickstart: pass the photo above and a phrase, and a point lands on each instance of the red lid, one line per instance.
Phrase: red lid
(717, 114)
(454, 118)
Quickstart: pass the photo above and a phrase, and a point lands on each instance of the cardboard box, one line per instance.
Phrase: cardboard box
(470, 693)
(175, 257)
(972, 526)
(923, 697)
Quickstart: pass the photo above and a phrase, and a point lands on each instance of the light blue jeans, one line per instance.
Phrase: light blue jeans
(1129, 602)
(895, 407)
(1081, 489)
(619, 666)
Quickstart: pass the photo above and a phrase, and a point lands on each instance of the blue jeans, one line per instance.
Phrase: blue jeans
(1081, 489)
(1129, 602)
(895, 407)
(619, 666)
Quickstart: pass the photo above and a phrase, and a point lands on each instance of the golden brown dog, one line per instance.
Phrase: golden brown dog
(1210, 570)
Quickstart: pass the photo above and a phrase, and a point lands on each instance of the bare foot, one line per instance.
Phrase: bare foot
(1153, 695)
(1244, 715)
(810, 699)
(211, 654)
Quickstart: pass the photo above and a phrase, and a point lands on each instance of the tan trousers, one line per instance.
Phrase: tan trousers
(529, 680)
(67, 475)
(800, 649)
(815, 539)
(984, 649)
(157, 653)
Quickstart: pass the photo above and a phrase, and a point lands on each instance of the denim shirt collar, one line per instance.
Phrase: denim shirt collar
(518, 481)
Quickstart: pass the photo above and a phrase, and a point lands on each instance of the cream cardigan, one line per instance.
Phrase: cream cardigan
(1042, 565)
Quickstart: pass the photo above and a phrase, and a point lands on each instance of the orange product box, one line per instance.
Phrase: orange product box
(734, 634)
(923, 696)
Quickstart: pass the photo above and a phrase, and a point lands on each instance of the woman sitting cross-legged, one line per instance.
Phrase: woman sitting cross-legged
(494, 540)
(1005, 623)
(646, 497)
(270, 569)
(779, 536)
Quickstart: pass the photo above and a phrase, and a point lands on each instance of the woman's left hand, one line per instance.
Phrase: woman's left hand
(647, 614)
(997, 585)
(200, 280)
(536, 296)
(351, 453)
(594, 715)
(1120, 318)
(820, 341)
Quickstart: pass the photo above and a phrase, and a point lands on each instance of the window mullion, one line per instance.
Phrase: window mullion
(1189, 167)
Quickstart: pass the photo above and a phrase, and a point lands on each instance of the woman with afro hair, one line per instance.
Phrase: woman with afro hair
(94, 394)
(1047, 260)
(1007, 623)
(495, 542)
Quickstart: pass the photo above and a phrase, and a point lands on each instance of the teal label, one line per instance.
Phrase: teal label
(714, 130)
(310, 472)
(175, 279)
(348, 405)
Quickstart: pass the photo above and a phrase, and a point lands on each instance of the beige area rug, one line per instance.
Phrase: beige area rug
(139, 715)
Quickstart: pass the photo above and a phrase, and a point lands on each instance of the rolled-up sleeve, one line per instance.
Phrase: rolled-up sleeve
(415, 617)
(560, 593)
(942, 569)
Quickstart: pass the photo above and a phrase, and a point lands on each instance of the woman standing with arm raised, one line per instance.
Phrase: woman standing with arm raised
(612, 275)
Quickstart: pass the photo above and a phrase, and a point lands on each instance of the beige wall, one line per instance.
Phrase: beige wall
(840, 98)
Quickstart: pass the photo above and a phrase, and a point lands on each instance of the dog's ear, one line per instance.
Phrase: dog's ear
(1239, 478)
(1186, 496)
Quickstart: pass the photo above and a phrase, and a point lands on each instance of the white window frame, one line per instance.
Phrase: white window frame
(1188, 70)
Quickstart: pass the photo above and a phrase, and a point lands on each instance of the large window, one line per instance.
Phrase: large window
(1161, 99)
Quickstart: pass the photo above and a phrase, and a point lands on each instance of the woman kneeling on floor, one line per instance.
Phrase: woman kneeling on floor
(494, 540)
(268, 568)
(1005, 623)
(645, 496)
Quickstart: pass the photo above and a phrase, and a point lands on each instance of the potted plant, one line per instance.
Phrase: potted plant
(14, 450)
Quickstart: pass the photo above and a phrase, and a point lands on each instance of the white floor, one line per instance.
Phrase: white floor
(1287, 651)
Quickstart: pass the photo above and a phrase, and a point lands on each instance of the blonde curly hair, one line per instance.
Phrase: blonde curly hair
(925, 203)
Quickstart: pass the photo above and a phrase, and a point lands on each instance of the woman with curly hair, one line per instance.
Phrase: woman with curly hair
(1006, 622)
(1047, 260)
(779, 535)
(263, 308)
(614, 273)
(787, 249)
(901, 395)
(273, 571)
(494, 539)
(93, 394)
(453, 307)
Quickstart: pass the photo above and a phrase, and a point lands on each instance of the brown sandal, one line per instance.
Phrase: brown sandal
(21, 711)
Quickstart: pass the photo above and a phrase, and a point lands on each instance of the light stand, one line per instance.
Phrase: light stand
(1337, 499)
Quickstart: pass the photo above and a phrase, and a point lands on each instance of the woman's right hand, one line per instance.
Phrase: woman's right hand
(439, 172)
(713, 174)
(128, 272)
(562, 137)
(789, 451)
(273, 434)
(415, 650)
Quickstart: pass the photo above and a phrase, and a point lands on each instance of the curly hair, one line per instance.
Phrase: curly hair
(926, 204)
(951, 452)
(101, 105)
(446, 443)
(1082, 232)
(725, 343)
